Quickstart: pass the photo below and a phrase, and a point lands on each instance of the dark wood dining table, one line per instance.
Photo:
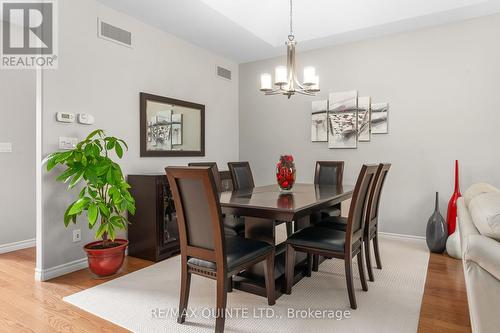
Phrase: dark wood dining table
(266, 207)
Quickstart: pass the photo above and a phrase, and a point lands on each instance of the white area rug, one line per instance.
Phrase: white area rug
(392, 303)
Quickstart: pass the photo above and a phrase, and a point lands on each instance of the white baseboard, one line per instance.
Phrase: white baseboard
(401, 236)
(24, 244)
(53, 272)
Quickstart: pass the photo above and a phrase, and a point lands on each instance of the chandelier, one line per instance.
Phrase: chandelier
(285, 78)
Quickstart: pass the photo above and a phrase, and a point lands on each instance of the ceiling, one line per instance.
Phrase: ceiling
(248, 30)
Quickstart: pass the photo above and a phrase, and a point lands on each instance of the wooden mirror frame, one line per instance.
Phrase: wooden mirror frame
(144, 97)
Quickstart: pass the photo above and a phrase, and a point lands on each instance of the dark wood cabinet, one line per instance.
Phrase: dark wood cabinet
(154, 233)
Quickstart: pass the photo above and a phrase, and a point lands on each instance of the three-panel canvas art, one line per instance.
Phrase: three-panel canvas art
(346, 119)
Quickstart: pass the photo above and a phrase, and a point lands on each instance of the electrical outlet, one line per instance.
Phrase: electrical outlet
(77, 235)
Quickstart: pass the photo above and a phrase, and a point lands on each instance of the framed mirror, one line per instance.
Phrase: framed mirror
(171, 127)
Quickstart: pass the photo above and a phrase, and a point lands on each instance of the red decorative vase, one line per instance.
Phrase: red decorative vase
(451, 219)
(285, 172)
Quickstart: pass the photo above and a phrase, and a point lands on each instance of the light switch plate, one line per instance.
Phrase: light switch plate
(5, 147)
(67, 143)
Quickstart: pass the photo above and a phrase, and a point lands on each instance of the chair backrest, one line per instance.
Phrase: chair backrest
(201, 231)
(374, 202)
(329, 173)
(359, 202)
(215, 171)
(241, 175)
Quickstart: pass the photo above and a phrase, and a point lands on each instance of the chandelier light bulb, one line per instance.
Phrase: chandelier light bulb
(309, 75)
(266, 82)
(280, 76)
(315, 84)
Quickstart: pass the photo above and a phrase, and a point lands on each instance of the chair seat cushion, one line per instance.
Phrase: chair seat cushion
(239, 250)
(319, 238)
(333, 222)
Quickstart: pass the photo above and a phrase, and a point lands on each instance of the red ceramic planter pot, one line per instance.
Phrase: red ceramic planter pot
(106, 262)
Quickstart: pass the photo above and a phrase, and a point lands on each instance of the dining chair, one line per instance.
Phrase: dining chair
(330, 173)
(371, 223)
(233, 225)
(371, 231)
(332, 243)
(205, 250)
(215, 172)
(241, 175)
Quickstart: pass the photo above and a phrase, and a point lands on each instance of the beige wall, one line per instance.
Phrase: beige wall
(17, 176)
(442, 84)
(104, 79)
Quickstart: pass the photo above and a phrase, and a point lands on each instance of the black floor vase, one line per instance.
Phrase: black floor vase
(437, 230)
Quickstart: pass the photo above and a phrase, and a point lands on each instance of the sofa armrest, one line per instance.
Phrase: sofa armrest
(485, 252)
(464, 219)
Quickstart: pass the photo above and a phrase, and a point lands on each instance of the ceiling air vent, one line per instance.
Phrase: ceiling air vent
(114, 34)
(223, 73)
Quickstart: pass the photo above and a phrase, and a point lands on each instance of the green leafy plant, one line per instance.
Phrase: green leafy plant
(105, 194)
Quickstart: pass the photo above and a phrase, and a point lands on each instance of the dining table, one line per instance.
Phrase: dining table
(266, 207)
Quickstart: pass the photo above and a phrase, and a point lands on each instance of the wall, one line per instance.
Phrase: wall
(104, 79)
(442, 86)
(17, 176)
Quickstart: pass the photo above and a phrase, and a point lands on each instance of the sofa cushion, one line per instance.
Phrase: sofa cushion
(478, 189)
(485, 212)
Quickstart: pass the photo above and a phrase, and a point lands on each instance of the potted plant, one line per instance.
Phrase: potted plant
(105, 197)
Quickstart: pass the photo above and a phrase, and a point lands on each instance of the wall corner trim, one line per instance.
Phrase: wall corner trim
(53, 272)
(401, 236)
(24, 244)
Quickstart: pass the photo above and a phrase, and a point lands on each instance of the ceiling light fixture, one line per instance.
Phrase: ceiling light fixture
(285, 78)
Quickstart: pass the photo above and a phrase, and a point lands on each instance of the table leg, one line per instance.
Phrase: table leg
(252, 279)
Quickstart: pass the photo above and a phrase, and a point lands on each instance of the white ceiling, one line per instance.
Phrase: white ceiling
(248, 30)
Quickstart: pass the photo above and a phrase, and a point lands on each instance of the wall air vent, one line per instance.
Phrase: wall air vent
(223, 73)
(114, 34)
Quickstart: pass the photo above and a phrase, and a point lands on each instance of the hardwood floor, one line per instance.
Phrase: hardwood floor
(30, 306)
(27, 305)
(444, 305)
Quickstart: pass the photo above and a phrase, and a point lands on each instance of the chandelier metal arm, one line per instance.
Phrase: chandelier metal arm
(305, 92)
(288, 84)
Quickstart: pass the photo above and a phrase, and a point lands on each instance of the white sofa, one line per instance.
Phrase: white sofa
(479, 224)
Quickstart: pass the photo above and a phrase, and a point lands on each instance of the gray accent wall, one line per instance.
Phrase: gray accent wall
(442, 84)
(104, 79)
(17, 176)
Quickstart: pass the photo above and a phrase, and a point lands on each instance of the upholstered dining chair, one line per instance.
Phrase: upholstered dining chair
(233, 225)
(371, 223)
(241, 175)
(330, 173)
(205, 250)
(328, 242)
(215, 171)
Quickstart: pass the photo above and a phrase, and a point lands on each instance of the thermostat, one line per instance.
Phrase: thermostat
(86, 119)
(65, 117)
